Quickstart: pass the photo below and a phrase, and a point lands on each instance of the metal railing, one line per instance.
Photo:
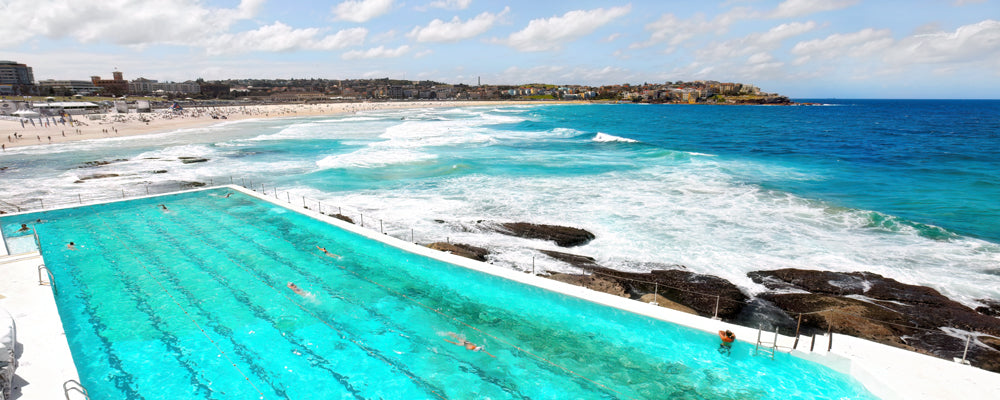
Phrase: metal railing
(52, 278)
(327, 209)
(77, 387)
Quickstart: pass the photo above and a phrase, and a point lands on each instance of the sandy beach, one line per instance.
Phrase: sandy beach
(96, 126)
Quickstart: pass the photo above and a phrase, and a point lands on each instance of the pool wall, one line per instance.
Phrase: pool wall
(888, 372)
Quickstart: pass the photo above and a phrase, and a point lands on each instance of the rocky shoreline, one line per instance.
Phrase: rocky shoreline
(860, 304)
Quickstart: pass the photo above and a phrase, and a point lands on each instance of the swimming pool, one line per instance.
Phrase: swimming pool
(193, 302)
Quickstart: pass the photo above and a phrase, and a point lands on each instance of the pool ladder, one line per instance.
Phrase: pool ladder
(766, 348)
(52, 278)
(77, 387)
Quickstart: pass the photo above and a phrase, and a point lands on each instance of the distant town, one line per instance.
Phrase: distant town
(17, 83)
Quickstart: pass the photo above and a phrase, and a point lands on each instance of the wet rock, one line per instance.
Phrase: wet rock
(459, 249)
(665, 303)
(91, 164)
(160, 171)
(95, 176)
(343, 217)
(188, 185)
(564, 236)
(192, 160)
(990, 307)
(575, 260)
(592, 282)
(881, 309)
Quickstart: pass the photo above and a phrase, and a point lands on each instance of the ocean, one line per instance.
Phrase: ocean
(909, 189)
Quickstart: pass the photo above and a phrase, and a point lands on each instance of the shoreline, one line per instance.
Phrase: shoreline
(113, 125)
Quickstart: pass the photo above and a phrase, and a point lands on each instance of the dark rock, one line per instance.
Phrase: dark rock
(96, 176)
(593, 282)
(991, 307)
(573, 259)
(663, 302)
(343, 217)
(459, 249)
(91, 164)
(563, 236)
(186, 184)
(870, 306)
(160, 171)
(192, 160)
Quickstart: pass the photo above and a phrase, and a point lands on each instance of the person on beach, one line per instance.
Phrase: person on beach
(297, 289)
(728, 337)
(460, 341)
(329, 254)
(71, 246)
(24, 228)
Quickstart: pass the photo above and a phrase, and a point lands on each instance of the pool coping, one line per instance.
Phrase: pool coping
(887, 372)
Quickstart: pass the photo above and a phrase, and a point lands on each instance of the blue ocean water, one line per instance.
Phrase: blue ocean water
(904, 188)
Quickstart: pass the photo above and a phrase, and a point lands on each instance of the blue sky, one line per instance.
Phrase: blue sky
(800, 48)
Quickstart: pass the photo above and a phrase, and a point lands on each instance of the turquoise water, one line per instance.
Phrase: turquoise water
(906, 189)
(192, 303)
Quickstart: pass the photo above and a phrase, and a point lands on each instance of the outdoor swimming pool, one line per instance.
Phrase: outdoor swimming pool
(192, 302)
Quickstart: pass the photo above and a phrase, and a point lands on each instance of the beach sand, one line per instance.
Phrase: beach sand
(119, 125)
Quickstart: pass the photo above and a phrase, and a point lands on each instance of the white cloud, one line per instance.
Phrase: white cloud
(361, 10)
(551, 33)
(451, 4)
(968, 43)
(280, 37)
(858, 44)
(674, 31)
(798, 8)
(440, 31)
(754, 42)
(124, 22)
(377, 52)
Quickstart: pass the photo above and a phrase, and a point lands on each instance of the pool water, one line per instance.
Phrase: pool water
(192, 302)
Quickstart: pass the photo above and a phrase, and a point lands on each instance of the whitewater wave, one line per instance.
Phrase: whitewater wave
(604, 137)
(374, 158)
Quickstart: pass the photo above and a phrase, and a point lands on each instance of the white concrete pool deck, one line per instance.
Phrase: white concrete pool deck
(888, 372)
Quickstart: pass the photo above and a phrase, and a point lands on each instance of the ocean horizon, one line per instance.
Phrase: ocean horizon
(904, 188)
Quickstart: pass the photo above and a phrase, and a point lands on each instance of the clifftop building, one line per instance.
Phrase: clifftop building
(16, 79)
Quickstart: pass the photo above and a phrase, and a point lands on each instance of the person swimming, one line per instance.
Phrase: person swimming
(329, 254)
(461, 341)
(71, 246)
(728, 337)
(297, 289)
(24, 228)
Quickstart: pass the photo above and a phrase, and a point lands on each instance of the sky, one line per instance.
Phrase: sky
(798, 48)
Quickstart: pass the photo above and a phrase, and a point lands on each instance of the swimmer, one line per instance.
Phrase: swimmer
(460, 341)
(71, 246)
(728, 337)
(297, 289)
(163, 206)
(323, 249)
(227, 195)
(24, 228)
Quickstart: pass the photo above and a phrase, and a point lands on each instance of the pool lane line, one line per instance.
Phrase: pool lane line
(505, 386)
(222, 352)
(261, 314)
(545, 360)
(169, 340)
(123, 381)
(399, 294)
(375, 354)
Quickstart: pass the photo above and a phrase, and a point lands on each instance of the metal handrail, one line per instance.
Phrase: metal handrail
(79, 388)
(52, 278)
